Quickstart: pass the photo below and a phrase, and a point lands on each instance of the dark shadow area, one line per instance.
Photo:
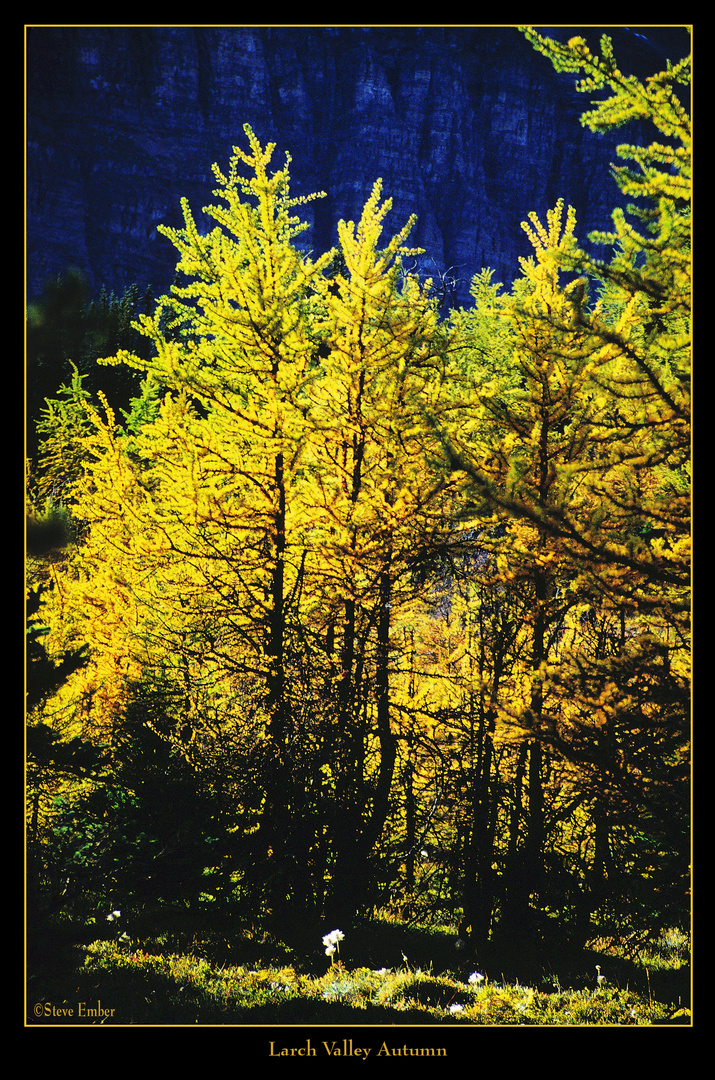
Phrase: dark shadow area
(56, 973)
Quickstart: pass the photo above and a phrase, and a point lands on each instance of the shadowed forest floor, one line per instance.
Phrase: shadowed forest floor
(387, 973)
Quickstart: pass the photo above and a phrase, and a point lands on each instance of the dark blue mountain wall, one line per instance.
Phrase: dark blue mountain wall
(468, 127)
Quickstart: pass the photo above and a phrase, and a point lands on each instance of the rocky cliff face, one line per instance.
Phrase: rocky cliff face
(467, 127)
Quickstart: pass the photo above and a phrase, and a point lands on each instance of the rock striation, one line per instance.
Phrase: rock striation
(468, 127)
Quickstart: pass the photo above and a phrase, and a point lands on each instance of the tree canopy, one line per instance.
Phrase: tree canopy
(392, 603)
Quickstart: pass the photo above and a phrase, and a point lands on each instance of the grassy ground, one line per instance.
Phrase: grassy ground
(384, 974)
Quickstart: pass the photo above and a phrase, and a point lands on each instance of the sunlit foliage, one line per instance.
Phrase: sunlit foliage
(394, 603)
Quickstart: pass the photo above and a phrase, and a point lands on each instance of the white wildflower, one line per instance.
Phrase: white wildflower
(114, 915)
(456, 1008)
(600, 979)
(333, 937)
(476, 977)
(331, 941)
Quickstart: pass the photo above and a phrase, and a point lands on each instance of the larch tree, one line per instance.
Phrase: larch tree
(640, 720)
(579, 444)
(372, 576)
(372, 504)
(187, 573)
(641, 323)
(524, 452)
(245, 535)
